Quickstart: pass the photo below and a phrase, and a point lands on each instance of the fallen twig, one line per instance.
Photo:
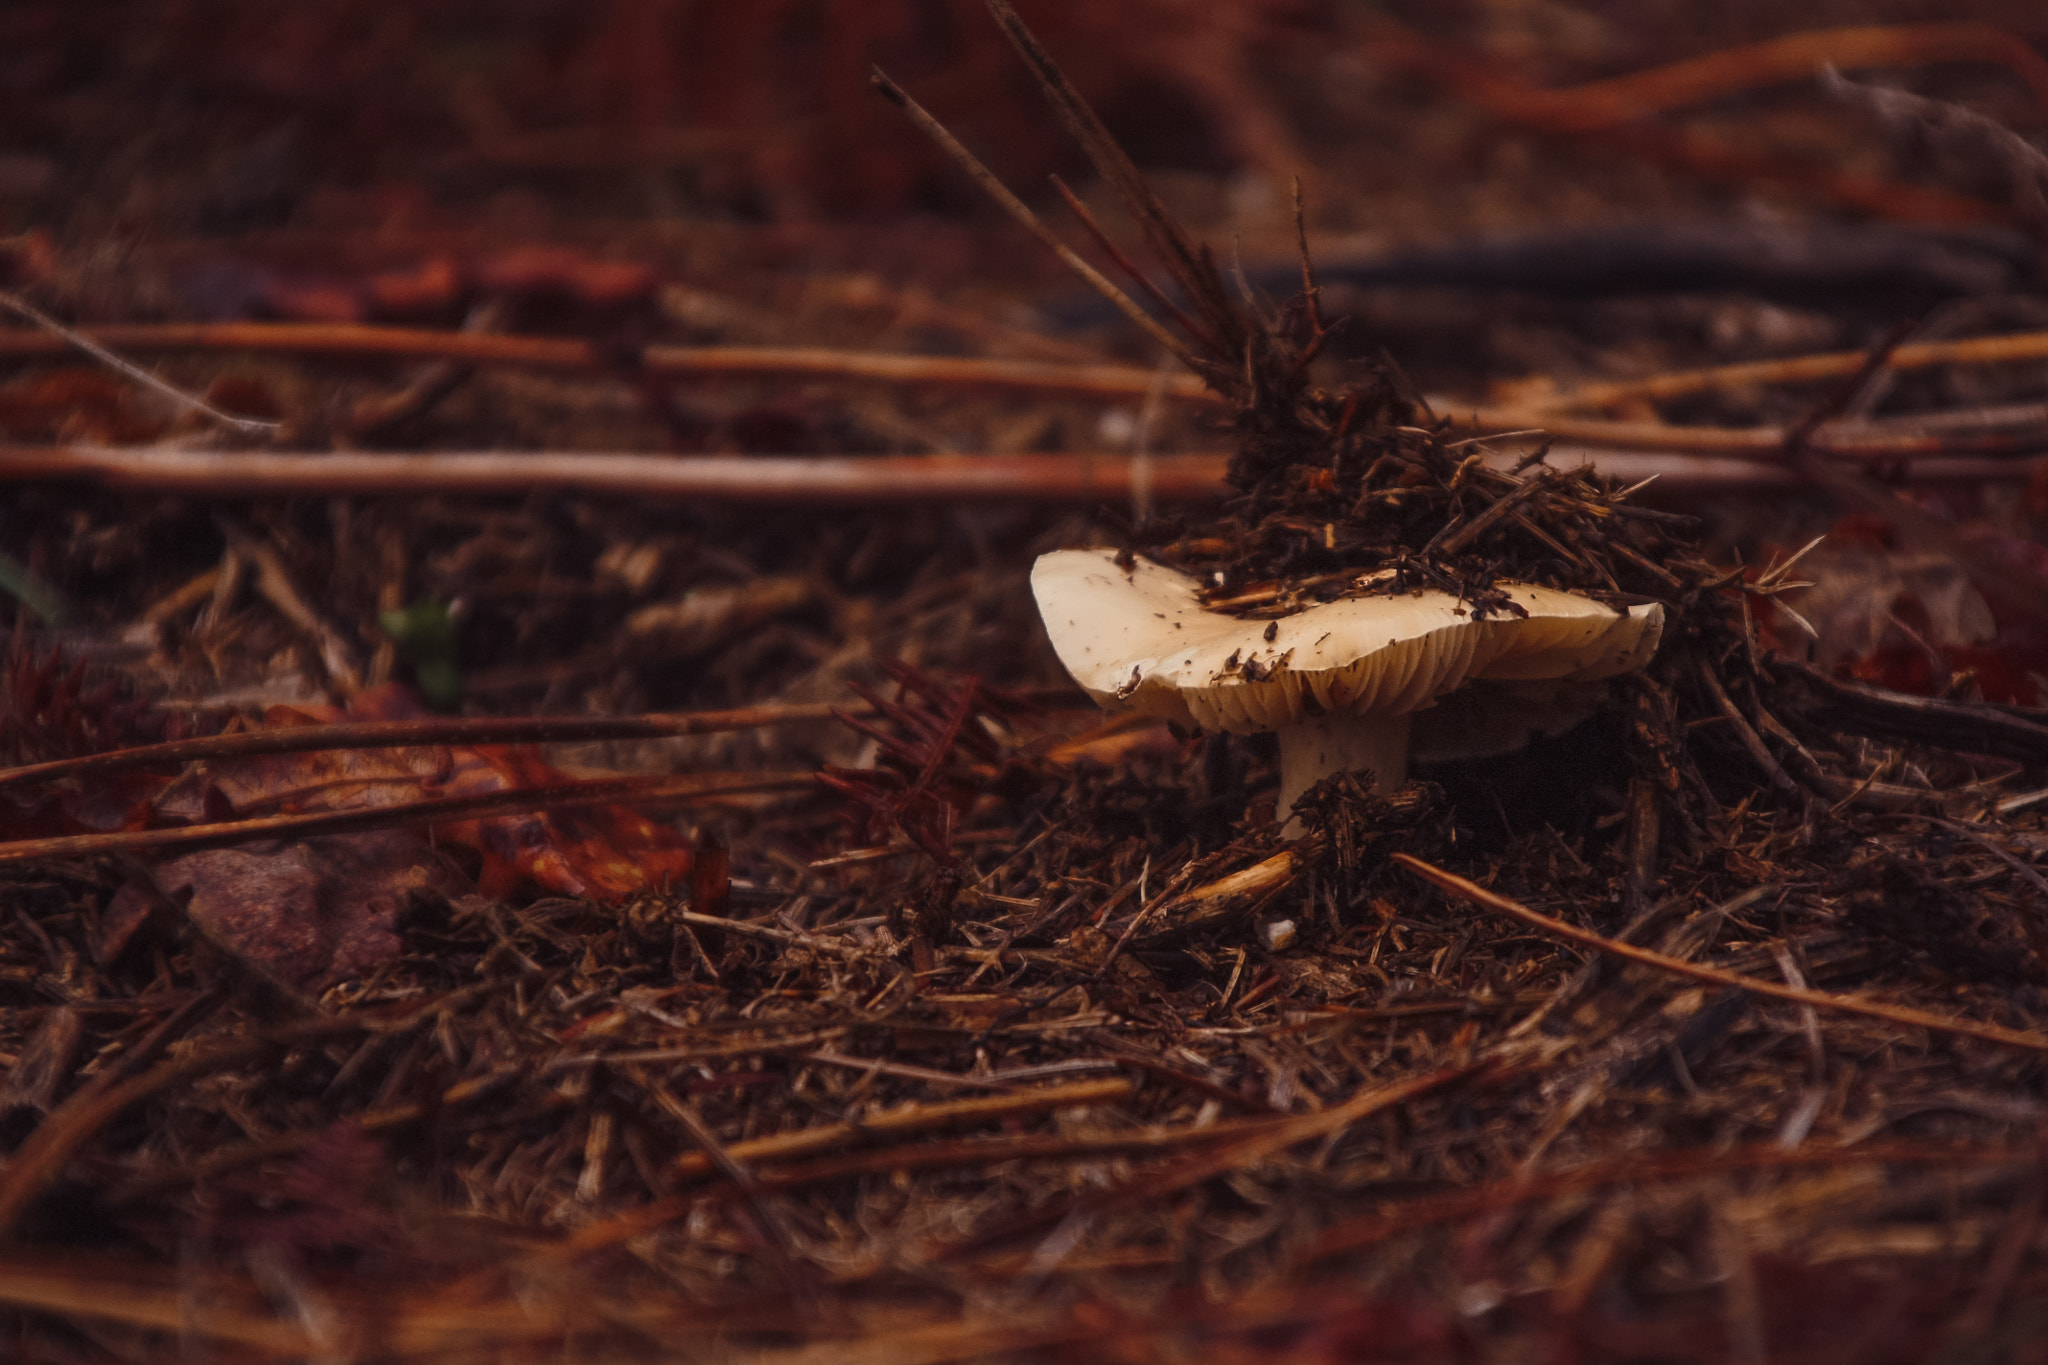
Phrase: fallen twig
(910, 1118)
(398, 734)
(681, 363)
(1841, 1004)
(743, 478)
(833, 480)
(1553, 414)
(1972, 727)
(1919, 355)
(436, 810)
(1795, 57)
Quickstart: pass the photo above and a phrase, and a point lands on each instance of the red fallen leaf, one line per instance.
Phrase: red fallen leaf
(605, 852)
(302, 913)
(47, 711)
(308, 913)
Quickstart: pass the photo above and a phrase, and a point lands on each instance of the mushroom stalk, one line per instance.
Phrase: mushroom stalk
(1315, 747)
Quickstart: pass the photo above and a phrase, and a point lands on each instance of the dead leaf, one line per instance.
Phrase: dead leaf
(310, 913)
(605, 852)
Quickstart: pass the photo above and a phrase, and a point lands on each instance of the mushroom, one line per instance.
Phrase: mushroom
(1339, 681)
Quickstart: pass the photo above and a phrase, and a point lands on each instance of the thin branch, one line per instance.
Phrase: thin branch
(1022, 376)
(1620, 123)
(910, 1118)
(1984, 350)
(1714, 976)
(786, 480)
(399, 734)
(569, 354)
(1792, 58)
(1751, 741)
(319, 338)
(1799, 436)
(436, 810)
(793, 479)
(1927, 436)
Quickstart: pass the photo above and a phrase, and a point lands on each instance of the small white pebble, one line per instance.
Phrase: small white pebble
(1279, 934)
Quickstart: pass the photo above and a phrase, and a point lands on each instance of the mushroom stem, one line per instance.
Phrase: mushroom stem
(1313, 749)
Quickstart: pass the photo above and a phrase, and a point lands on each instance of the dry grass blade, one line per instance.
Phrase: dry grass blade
(1021, 212)
(766, 477)
(248, 426)
(1188, 265)
(1109, 248)
(1841, 1004)
(902, 1121)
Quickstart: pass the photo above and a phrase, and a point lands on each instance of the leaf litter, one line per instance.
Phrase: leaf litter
(978, 1049)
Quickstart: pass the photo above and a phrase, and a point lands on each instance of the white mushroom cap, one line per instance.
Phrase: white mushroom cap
(1142, 639)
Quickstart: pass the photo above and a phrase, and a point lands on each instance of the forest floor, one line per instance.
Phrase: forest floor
(542, 821)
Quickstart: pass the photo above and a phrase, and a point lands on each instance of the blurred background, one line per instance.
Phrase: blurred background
(1509, 197)
(147, 120)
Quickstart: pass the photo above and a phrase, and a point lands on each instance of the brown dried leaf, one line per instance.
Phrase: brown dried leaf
(309, 914)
